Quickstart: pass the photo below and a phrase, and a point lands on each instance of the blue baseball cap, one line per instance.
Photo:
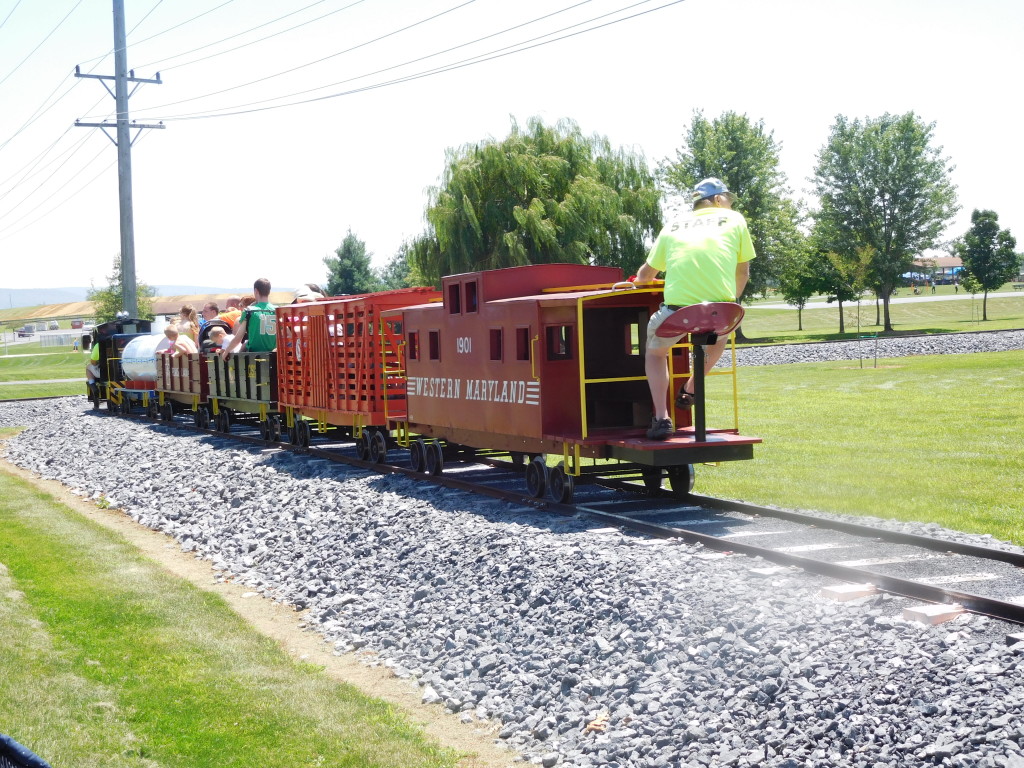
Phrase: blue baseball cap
(710, 188)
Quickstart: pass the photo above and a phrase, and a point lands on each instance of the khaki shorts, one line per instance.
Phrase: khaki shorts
(653, 340)
(93, 370)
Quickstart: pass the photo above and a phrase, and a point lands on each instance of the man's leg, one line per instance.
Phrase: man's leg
(712, 355)
(656, 368)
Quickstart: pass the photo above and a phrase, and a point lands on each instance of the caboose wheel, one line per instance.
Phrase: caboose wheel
(305, 433)
(681, 479)
(435, 458)
(363, 446)
(417, 455)
(378, 447)
(652, 478)
(274, 425)
(561, 485)
(536, 477)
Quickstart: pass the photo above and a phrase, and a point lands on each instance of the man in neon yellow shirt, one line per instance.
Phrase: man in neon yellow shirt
(705, 255)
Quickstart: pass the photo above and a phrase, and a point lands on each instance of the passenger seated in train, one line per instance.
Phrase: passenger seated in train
(308, 292)
(218, 339)
(257, 327)
(206, 338)
(180, 343)
(232, 312)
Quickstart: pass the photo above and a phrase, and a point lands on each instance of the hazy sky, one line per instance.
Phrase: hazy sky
(222, 200)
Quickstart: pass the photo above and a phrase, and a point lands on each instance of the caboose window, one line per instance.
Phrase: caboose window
(454, 299)
(471, 297)
(522, 343)
(496, 345)
(559, 342)
(434, 339)
(414, 345)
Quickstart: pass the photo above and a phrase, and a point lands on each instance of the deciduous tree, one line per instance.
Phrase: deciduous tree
(988, 253)
(744, 155)
(543, 194)
(882, 184)
(107, 301)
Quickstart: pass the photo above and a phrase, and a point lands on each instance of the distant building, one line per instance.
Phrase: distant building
(943, 268)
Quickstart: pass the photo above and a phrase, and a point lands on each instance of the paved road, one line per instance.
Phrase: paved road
(822, 304)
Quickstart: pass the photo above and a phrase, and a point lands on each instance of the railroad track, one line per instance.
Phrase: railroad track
(918, 567)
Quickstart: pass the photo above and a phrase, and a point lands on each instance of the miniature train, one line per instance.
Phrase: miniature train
(537, 361)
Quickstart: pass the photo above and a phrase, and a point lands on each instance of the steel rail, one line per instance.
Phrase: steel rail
(979, 604)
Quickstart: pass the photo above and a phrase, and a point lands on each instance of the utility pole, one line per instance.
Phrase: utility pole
(123, 142)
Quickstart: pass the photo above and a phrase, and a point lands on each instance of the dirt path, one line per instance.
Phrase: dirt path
(282, 625)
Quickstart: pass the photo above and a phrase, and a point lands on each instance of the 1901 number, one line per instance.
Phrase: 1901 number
(464, 344)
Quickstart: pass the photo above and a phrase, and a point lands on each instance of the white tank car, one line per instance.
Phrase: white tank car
(139, 357)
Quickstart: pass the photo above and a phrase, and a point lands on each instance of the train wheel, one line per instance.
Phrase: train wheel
(435, 458)
(536, 477)
(274, 425)
(378, 447)
(264, 430)
(561, 486)
(305, 430)
(153, 410)
(417, 454)
(203, 415)
(363, 446)
(224, 421)
(681, 480)
(167, 412)
(518, 459)
(652, 478)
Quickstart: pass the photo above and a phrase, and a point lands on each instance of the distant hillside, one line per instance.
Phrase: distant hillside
(34, 297)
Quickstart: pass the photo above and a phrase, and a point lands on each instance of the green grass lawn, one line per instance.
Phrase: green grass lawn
(821, 322)
(48, 364)
(109, 661)
(935, 438)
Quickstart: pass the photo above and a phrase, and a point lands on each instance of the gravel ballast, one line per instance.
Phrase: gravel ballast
(584, 646)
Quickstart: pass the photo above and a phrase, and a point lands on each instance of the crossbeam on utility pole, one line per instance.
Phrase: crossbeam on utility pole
(123, 141)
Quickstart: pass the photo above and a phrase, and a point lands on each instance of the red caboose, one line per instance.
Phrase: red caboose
(545, 359)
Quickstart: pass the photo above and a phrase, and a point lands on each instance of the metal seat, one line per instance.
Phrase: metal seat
(704, 323)
(719, 318)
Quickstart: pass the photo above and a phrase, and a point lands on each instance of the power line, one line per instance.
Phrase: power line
(321, 60)
(59, 24)
(481, 58)
(428, 56)
(10, 14)
(245, 32)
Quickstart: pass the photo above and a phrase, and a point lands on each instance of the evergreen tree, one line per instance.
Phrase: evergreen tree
(988, 254)
(107, 302)
(348, 270)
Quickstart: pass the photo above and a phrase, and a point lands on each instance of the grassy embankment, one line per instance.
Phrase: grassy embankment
(110, 661)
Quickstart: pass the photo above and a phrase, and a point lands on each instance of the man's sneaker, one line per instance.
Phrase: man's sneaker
(660, 429)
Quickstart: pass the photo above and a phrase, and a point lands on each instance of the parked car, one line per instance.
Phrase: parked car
(53, 325)
(77, 324)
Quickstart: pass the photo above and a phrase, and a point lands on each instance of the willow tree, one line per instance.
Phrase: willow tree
(745, 155)
(882, 185)
(543, 194)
